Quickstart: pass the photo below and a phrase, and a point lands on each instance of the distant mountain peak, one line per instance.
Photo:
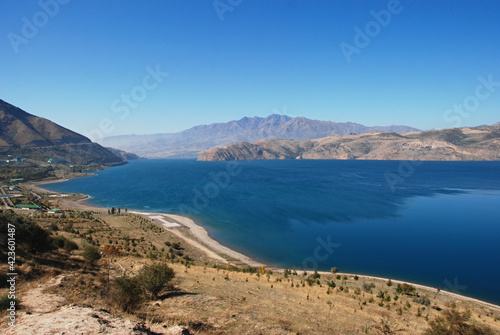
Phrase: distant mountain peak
(189, 143)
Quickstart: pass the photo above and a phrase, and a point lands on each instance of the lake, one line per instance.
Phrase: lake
(432, 223)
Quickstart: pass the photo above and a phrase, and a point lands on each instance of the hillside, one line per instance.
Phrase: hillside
(26, 135)
(480, 143)
(191, 142)
(60, 290)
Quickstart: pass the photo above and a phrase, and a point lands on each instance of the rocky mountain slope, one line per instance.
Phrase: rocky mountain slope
(27, 135)
(190, 143)
(480, 143)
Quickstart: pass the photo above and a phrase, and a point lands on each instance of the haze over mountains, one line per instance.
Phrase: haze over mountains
(478, 143)
(27, 135)
(191, 142)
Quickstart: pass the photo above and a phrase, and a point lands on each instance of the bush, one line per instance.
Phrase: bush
(367, 287)
(91, 254)
(453, 322)
(58, 242)
(153, 278)
(406, 289)
(27, 232)
(126, 293)
(70, 245)
(422, 300)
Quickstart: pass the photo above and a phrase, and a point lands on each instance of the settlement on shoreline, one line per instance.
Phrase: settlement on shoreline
(214, 249)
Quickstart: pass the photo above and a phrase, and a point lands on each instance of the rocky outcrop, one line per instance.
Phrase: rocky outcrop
(480, 143)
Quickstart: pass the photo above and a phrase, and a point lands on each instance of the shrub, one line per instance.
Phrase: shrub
(58, 242)
(367, 287)
(126, 293)
(61, 242)
(454, 322)
(27, 232)
(422, 300)
(70, 245)
(405, 289)
(91, 254)
(153, 278)
(310, 281)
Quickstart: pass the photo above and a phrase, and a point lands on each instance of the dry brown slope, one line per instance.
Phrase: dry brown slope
(20, 129)
(480, 143)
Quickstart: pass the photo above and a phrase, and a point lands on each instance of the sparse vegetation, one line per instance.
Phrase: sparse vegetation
(454, 322)
(127, 293)
(153, 278)
(202, 291)
(91, 254)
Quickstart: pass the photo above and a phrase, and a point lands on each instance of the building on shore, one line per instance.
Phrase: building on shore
(29, 207)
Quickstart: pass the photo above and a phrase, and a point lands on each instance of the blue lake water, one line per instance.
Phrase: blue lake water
(433, 223)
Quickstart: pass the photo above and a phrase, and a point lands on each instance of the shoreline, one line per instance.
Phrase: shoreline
(214, 249)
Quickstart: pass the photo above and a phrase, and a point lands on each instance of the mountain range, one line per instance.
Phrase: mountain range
(27, 135)
(478, 143)
(191, 142)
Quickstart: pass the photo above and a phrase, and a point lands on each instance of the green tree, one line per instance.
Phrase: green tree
(153, 278)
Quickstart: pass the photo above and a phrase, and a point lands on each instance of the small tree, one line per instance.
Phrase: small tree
(153, 278)
(91, 254)
(126, 293)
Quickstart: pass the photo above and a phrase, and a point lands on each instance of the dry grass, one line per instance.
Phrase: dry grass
(212, 300)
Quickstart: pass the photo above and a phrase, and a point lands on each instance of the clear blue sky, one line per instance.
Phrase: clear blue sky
(250, 58)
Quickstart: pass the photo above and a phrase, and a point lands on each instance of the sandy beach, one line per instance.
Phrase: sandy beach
(200, 239)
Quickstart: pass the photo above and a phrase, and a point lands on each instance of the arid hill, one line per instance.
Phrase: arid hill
(21, 129)
(26, 135)
(480, 143)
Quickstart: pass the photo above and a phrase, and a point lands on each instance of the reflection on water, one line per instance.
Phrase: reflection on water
(437, 223)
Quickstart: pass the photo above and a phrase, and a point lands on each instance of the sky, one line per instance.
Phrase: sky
(105, 68)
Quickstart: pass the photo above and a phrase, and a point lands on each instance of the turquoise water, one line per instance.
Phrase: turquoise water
(433, 223)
